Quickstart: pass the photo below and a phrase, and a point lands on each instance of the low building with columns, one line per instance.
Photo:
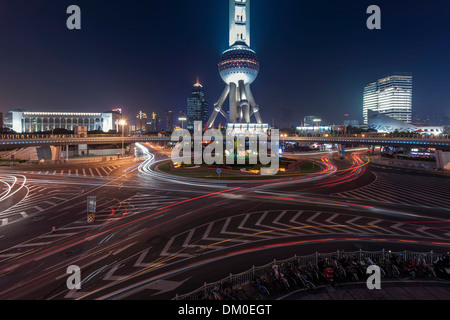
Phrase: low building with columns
(22, 121)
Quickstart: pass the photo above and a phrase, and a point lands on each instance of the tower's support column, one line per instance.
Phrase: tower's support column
(245, 106)
(255, 108)
(442, 160)
(233, 103)
(218, 107)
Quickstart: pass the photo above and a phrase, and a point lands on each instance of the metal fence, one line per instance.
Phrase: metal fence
(245, 277)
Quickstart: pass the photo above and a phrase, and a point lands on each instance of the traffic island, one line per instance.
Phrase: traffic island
(288, 168)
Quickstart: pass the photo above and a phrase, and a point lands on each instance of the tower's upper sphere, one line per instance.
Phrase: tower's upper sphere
(239, 63)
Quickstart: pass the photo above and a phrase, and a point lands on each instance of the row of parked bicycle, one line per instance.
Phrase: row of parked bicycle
(291, 276)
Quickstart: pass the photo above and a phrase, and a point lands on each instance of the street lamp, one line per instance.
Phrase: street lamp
(182, 119)
(284, 140)
(123, 123)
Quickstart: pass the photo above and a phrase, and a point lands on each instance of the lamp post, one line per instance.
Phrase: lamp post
(123, 123)
(284, 136)
(182, 119)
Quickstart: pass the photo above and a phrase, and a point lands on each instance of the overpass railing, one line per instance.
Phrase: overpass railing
(372, 136)
(445, 137)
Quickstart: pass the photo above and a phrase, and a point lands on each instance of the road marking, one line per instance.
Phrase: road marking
(123, 249)
(188, 238)
(165, 252)
(259, 233)
(84, 172)
(58, 235)
(104, 170)
(294, 220)
(92, 174)
(98, 172)
(111, 277)
(398, 225)
(4, 222)
(271, 228)
(278, 218)
(33, 244)
(24, 214)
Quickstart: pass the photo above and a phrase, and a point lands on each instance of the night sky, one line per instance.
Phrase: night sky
(316, 56)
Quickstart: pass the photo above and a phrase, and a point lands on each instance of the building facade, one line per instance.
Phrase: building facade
(391, 96)
(169, 121)
(312, 121)
(22, 121)
(141, 122)
(197, 107)
(386, 124)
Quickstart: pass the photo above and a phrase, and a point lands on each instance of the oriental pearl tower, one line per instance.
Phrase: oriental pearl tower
(238, 67)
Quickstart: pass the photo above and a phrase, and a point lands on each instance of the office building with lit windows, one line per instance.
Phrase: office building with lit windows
(390, 96)
(197, 107)
(141, 122)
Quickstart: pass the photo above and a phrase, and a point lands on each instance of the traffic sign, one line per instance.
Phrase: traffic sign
(91, 218)
(91, 204)
(219, 171)
(91, 208)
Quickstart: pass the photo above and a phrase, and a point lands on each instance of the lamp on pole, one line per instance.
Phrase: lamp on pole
(284, 136)
(182, 119)
(123, 123)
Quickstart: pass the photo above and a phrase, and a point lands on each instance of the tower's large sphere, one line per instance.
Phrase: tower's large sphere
(239, 63)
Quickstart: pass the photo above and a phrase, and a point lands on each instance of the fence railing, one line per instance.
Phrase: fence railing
(246, 276)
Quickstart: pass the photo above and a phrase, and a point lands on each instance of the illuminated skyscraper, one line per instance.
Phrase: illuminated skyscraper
(169, 121)
(141, 122)
(391, 96)
(197, 107)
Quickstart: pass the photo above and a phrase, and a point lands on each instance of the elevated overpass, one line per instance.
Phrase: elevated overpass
(21, 141)
(442, 144)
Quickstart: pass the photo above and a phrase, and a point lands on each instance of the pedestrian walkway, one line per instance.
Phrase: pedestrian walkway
(395, 290)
